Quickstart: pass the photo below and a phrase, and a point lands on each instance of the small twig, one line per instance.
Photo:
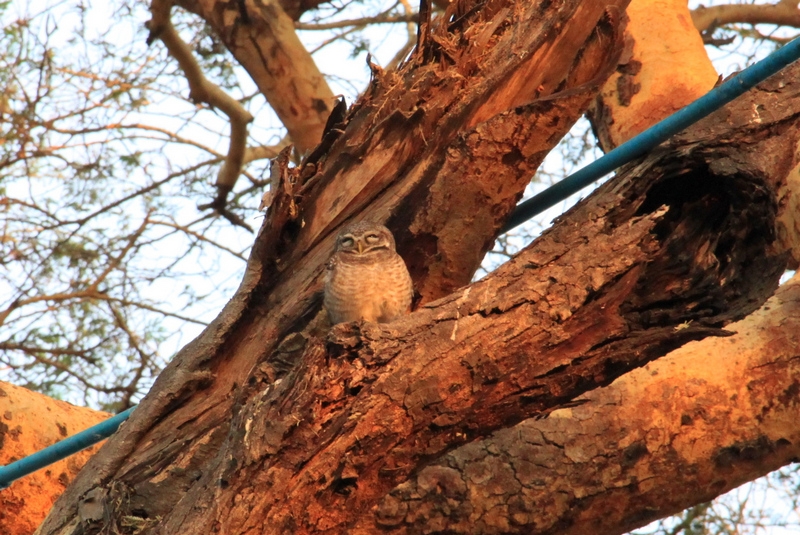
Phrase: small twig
(410, 40)
(115, 262)
(423, 26)
(219, 205)
(144, 356)
(265, 152)
(199, 237)
(383, 18)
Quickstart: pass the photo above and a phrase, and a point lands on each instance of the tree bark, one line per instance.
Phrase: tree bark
(29, 422)
(782, 13)
(262, 425)
(677, 432)
(660, 42)
(261, 37)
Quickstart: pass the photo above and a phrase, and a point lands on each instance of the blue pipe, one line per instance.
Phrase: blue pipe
(623, 154)
(656, 134)
(61, 449)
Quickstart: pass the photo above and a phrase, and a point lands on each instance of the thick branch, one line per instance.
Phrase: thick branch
(516, 77)
(201, 90)
(296, 439)
(262, 38)
(572, 312)
(645, 90)
(705, 419)
(789, 218)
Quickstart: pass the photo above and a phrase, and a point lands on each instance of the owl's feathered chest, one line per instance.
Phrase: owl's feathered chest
(372, 287)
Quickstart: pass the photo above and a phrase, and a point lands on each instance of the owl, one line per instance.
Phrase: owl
(366, 279)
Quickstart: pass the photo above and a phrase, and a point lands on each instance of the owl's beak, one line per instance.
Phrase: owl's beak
(360, 247)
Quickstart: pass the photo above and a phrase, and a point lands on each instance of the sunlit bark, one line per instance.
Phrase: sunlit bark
(29, 422)
(261, 36)
(664, 68)
(269, 424)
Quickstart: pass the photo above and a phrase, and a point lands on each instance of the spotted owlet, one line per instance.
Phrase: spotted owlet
(366, 278)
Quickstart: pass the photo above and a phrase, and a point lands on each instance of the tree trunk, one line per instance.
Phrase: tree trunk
(268, 424)
(677, 432)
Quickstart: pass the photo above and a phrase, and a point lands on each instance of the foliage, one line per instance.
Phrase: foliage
(105, 257)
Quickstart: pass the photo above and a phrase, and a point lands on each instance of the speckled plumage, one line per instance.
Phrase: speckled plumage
(372, 284)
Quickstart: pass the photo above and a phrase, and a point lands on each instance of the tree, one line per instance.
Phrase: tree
(379, 412)
(30, 423)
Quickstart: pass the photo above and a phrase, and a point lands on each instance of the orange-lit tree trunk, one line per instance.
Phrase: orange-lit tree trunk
(29, 422)
(267, 424)
(660, 42)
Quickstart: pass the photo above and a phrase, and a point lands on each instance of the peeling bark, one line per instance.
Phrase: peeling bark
(264, 425)
(704, 419)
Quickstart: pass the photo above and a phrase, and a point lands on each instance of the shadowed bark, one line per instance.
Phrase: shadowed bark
(267, 424)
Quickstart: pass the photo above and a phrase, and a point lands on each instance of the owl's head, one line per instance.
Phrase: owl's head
(363, 238)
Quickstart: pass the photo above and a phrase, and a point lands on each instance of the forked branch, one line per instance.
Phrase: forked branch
(202, 90)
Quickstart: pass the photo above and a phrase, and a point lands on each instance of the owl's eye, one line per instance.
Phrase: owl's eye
(347, 242)
(372, 239)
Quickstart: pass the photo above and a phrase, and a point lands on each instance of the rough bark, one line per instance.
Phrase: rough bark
(403, 151)
(29, 422)
(256, 427)
(660, 42)
(703, 419)
(788, 237)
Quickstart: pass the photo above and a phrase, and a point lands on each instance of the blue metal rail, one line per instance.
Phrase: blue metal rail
(656, 134)
(639, 145)
(61, 449)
